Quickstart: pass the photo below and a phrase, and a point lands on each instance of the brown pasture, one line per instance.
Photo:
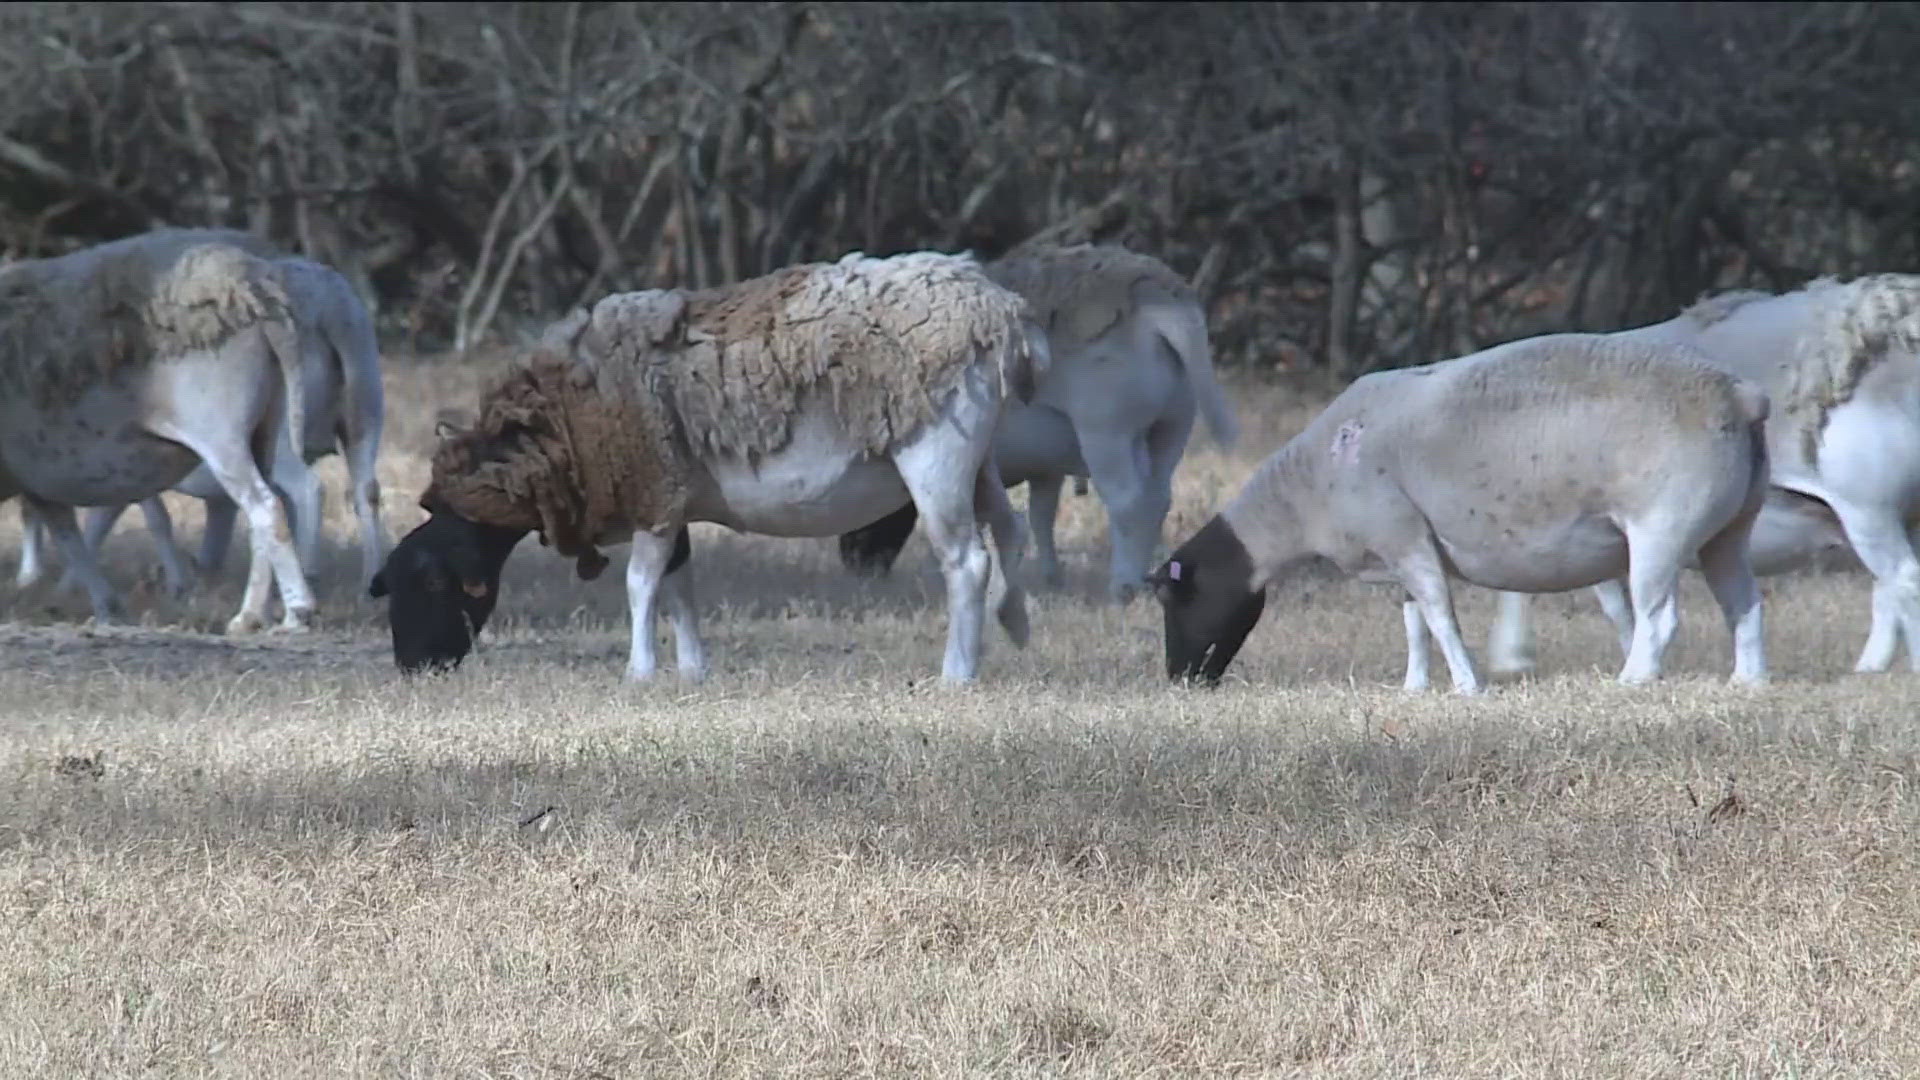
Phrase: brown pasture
(274, 857)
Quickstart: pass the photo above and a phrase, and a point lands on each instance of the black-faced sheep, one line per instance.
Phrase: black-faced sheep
(1540, 465)
(802, 403)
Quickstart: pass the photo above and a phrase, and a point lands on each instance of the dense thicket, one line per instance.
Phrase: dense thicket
(1352, 185)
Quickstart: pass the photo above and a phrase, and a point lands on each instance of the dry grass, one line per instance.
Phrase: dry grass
(275, 857)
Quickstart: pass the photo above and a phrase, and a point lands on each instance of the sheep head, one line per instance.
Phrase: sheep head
(516, 468)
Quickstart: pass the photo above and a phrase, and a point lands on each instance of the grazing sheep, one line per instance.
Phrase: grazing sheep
(124, 365)
(1130, 365)
(1841, 362)
(345, 408)
(1485, 468)
(800, 403)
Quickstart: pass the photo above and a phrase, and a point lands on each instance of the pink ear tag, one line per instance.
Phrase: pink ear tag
(1173, 571)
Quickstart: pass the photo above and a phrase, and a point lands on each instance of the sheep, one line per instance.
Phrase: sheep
(800, 403)
(1842, 362)
(1485, 468)
(1131, 363)
(125, 364)
(340, 361)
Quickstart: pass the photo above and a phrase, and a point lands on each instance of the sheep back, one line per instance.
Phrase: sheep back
(1853, 326)
(67, 323)
(882, 341)
(1081, 291)
(596, 433)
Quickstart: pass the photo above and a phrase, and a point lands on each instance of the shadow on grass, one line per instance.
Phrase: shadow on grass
(1099, 795)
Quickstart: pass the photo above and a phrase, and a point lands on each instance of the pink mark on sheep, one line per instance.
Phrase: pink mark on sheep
(1346, 442)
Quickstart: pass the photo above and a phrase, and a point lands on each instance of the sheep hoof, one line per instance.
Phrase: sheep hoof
(298, 621)
(244, 623)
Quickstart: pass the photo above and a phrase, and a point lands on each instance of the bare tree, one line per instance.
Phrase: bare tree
(1350, 185)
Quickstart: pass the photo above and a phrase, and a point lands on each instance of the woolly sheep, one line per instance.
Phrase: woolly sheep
(1485, 468)
(345, 409)
(801, 403)
(1841, 361)
(1131, 363)
(106, 358)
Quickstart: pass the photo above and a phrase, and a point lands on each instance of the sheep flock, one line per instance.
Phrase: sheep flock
(856, 397)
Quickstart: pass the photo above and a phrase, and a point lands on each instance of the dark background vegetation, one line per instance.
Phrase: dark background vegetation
(1350, 185)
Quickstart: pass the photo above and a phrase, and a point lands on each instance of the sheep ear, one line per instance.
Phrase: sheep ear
(1170, 578)
(560, 335)
(450, 422)
(659, 314)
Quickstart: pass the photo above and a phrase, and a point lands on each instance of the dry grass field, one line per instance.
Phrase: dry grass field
(274, 857)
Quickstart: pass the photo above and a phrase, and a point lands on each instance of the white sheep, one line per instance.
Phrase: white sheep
(1131, 365)
(1841, 362)
(802, 403)
(126, 364)
(345, 409)
(1488, 468)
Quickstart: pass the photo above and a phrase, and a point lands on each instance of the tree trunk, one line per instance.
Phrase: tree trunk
(1349, 270)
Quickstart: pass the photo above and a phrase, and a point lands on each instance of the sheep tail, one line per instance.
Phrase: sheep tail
(1184, 327)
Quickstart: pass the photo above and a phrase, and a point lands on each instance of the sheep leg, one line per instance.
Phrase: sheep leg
(870, 550)
(232, 463)
(160, 526)
(363, 484)
(990, 504)
(1880, 540)
(214, 542)
(1121, 468)
(646, 566)
(1043, 506)
(1653, 579)
(1510, 644)
(943, 492)
(690, 654)
(1166, 445)
(1421, 575)
(302, 496)
(32, 543)
(96, 522)
(59, 520)
(1418, 651)
(1614, 604)
(1883, 631)
(1725, 563)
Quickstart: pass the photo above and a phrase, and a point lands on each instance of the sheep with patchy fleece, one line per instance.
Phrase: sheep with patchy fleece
(124, 365)
(1841, 362)
(1131, 365)
(345, 409)
(801, 403)
(1485, 468)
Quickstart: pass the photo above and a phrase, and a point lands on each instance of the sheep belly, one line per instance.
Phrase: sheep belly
(84, 458)
(818, 485)
(1535, 557)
